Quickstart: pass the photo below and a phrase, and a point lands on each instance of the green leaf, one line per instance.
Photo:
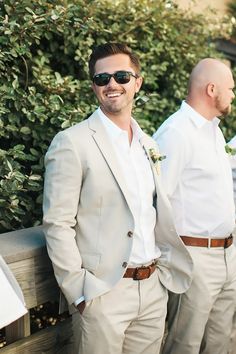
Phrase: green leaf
(25, 130)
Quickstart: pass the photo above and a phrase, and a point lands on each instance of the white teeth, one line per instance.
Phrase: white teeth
(116, 94)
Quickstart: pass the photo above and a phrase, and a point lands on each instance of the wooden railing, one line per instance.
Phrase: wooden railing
(25, 253)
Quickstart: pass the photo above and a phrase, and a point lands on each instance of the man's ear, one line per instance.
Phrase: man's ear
(211, 89)
(139, 82)
(93, 87)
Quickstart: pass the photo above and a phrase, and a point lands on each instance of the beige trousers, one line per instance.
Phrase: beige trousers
(200, 320)
(129, 319)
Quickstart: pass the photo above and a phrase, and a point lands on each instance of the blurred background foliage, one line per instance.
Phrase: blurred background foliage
(232, 12)
(45, 87)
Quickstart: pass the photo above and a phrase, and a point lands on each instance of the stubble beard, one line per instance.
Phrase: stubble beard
(116, 109)
(224, 111)
(111, 108)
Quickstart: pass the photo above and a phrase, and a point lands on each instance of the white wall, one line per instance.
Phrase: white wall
(201, 5)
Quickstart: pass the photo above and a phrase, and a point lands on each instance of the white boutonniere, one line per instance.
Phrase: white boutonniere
(156, 158)
(231, 151)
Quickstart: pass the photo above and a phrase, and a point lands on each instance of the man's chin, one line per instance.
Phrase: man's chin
(224, 113)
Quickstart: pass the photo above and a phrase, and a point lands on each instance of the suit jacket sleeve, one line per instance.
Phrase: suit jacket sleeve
(63, 179)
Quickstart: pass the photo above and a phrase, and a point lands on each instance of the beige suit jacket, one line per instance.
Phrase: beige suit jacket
(88, 214)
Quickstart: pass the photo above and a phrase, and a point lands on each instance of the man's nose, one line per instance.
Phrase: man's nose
(112, 82)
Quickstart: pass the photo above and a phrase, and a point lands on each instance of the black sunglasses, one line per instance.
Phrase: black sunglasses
(121, 77)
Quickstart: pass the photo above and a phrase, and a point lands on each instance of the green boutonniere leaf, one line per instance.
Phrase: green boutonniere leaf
(230, 150)
(155, 156)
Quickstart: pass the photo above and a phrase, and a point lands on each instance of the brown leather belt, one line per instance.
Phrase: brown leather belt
(140, 273)
(207, 242)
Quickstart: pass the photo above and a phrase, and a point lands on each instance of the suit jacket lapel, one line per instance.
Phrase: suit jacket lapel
(163, 204)
(105, 146)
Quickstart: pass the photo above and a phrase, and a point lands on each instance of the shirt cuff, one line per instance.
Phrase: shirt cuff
(78, 301)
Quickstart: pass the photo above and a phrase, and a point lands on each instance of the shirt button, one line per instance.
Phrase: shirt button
(124, 264)
(130, 234)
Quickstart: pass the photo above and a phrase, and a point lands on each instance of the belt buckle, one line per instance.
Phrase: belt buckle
(138, 275)
(209, 242)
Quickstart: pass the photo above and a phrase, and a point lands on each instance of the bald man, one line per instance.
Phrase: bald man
(198, 182)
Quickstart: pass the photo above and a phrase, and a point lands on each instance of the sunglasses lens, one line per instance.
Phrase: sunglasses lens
(122, 77)
(101, 79)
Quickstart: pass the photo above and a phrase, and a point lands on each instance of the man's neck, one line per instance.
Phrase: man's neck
(124, 124)
(204, 111)
(122, 121)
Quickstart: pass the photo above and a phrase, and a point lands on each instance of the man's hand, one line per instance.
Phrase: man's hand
(81, 307)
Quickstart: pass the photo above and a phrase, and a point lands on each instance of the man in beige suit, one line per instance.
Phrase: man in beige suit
(108, 226)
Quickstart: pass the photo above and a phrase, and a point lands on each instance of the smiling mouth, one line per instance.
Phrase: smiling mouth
(113, 94)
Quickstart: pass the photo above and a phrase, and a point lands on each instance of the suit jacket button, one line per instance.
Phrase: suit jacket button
(130, 234)
(124, 264)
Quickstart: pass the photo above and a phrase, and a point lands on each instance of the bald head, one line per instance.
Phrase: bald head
(207, 71)
(210, 88)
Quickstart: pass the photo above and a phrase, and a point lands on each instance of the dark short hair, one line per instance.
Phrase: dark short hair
(109, 49)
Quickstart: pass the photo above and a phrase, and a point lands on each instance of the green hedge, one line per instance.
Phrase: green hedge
(44, 49)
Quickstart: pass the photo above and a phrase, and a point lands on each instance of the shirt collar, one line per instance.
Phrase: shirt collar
(196, 117)
(114, 131)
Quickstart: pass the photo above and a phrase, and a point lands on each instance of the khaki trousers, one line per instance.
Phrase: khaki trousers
(129, 319)
(200, 320)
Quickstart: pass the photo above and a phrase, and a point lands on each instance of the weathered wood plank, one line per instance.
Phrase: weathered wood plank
(18, 329)
(52, 340)
(26, 255)
(36, 279)
(22, 244)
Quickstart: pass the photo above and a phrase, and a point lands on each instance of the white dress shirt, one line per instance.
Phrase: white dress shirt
(232, 144)
(197, 174)
(232, 158)
(136, 169)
